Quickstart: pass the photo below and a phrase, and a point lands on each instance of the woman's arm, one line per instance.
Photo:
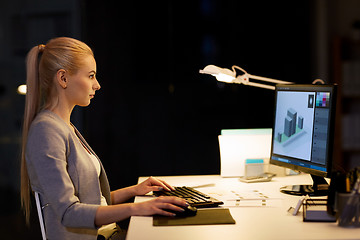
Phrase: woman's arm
(114, 213)
(151, 184)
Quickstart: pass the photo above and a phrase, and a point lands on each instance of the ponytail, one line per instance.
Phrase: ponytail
(32, 106)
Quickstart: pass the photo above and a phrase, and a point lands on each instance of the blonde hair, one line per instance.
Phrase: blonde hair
(42, 64)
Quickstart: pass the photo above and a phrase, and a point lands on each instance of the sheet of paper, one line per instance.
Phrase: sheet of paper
(244, 198)
(235, 149)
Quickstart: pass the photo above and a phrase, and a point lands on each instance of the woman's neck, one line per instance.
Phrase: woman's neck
(61, 107)
(63, 113)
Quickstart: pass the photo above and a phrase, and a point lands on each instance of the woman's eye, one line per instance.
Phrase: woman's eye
(92, 76)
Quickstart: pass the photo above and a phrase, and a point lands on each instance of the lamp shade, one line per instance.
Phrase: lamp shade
(221, 74)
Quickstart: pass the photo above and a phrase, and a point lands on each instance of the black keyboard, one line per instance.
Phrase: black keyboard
(194, 197)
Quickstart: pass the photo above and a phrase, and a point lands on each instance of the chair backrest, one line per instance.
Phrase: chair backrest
(40, 214)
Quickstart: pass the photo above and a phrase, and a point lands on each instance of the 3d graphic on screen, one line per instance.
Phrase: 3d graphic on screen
(293, 126)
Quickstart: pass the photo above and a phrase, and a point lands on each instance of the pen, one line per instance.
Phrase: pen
(247, 199)
(347, 184)
(204, 185)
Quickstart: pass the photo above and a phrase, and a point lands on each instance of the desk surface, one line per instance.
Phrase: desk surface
(252, 221)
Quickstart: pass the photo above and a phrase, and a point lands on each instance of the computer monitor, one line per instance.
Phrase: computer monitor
(303, 133)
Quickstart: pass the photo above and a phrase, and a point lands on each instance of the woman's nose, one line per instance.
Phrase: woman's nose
(97, 85)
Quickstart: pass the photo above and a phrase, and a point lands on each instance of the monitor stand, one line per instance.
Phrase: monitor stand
(320, 187)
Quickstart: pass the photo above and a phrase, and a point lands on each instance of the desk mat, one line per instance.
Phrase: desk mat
(203, 217)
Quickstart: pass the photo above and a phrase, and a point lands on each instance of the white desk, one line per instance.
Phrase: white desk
(252, 222)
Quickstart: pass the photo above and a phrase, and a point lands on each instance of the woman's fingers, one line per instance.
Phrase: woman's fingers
(160, 183)
(168, 209)
(172, 201)
(168, 185)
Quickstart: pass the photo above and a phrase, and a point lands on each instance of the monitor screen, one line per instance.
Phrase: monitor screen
(303, 128)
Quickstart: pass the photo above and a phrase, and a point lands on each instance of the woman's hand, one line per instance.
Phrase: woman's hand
(159, 206)
(152, 184)
(114, 213)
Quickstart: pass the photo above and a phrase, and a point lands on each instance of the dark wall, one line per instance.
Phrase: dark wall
(155, 114)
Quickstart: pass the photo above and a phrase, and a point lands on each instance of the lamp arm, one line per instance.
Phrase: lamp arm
(265, 79)
(245, 79)
(239, 80)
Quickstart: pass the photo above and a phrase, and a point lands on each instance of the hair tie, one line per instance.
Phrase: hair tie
(41, 47)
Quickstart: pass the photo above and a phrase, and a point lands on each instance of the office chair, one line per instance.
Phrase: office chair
(40, 214)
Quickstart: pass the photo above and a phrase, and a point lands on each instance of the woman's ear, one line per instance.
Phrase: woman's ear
(61, 78)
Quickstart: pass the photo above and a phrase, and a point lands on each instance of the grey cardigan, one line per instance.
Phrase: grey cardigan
(61, 170)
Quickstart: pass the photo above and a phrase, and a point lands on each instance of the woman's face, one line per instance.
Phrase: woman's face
(82, 85)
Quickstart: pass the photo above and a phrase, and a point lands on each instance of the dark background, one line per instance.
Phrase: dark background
(155, 114)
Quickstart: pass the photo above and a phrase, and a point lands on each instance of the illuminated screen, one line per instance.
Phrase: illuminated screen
(303, 128)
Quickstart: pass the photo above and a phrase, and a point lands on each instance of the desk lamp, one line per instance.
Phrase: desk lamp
(228, 76)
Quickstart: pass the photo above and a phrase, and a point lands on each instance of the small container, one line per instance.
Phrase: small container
(315, 211)
(349, 210)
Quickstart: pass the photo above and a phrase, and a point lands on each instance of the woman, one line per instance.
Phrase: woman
(56, 160)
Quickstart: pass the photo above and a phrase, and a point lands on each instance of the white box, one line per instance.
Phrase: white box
(235, 149)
